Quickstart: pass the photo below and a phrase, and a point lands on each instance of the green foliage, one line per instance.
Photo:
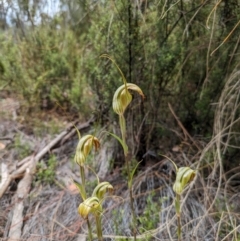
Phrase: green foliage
(150, 217)
(132, 169)
(44, 68)
(161, 47)
(166, 57)
(117, 216)
(46, 172)
(22, 147)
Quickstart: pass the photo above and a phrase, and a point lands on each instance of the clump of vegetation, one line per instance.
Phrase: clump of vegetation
(150, 217)
(22, 147)
(46, 171)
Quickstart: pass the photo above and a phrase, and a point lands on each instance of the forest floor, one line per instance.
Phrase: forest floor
(38, 200)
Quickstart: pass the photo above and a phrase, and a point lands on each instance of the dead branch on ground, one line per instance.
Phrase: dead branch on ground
(26, 169)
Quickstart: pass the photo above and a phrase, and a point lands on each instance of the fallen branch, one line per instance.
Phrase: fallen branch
(23, 161)
(22, 193)
(28, 169)
(6, 179)
(26, 162)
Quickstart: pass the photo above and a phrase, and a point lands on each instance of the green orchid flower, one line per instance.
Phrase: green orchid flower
(84, 147)
(122, 97)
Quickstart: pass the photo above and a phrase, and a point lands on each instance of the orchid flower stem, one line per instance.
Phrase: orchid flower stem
(133, 213)
(134, 221)
(82, 173)
(89, 230)
(122, 123)
(178, 212)
(99, 227)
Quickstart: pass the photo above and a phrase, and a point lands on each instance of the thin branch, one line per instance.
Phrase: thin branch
(225, 40)
(185, 132)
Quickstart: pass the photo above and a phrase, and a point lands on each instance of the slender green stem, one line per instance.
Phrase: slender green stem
(178, 212)
(89, 230)
(82, 174)
(133, 213)
(123, 132)
(122, 123)
(84, 196)
(99, 227)
(179, 232)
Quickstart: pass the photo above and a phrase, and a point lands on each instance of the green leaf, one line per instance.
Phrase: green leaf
(132, 174)
(80, 189)
(124, 146)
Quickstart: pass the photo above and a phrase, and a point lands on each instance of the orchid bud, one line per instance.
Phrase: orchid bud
(101, 189)
(184, 176)
(84, 147)
(122, 97)
(90, 205)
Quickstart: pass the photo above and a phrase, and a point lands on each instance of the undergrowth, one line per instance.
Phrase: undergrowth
(22, 147)
(46, 171)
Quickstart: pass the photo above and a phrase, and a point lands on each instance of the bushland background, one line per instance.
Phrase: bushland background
(184, 55)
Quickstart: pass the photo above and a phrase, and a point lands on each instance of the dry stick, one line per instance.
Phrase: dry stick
(23, 161)
(225, 40)
(20, 171)
(24, 188)
(6, 179)
(22, 192)
(185, 132)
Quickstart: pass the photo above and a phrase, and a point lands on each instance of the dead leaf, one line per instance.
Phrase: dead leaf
(176, 149)
(72, 188)
(2, 146)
